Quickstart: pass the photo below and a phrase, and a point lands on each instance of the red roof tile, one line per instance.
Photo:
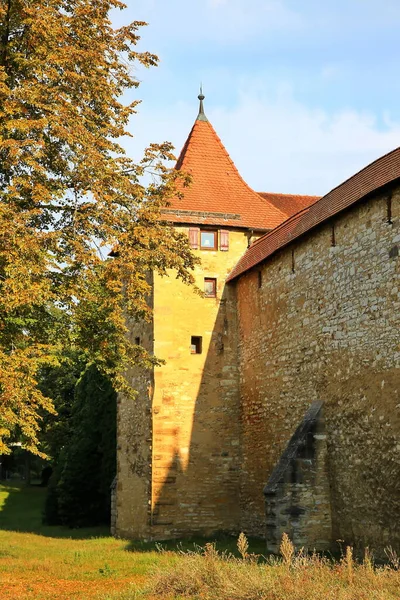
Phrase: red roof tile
(379, 173)
(290, 204)
(217, 195)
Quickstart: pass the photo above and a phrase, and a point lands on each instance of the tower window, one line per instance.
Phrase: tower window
(210, 287)
(196, 344)
(208, 240)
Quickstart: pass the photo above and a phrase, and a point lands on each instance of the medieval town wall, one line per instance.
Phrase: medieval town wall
(325, 326)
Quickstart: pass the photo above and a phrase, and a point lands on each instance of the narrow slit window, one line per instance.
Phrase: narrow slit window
(196, 344)
(208, 240)
(137, 341)
(333, 236)
(210, 287)
(389, 209)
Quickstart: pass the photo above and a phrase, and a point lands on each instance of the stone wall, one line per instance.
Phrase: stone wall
(134, 446)
(113, 492)
(324, 326)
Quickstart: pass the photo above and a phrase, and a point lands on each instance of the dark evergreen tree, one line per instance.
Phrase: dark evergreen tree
(58, 383)
(51, 514)
(89, 465)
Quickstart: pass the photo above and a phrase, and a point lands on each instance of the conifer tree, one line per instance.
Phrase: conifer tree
(68, 192)
(79, 490)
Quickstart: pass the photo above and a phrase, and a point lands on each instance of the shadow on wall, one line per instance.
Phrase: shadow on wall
(202, 495)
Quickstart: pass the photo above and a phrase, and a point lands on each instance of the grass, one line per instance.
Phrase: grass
(43, 562)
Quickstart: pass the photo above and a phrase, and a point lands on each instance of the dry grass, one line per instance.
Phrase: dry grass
(210, 575)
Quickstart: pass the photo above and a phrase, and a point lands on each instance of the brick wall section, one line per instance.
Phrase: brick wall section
(325, 326)
(297, 495)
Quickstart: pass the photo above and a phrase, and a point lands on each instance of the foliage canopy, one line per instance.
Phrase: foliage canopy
(68, 192)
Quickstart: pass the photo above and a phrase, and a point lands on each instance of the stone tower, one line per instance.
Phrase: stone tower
(179, 442)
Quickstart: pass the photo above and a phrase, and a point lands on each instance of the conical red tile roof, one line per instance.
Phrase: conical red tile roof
(217, 195)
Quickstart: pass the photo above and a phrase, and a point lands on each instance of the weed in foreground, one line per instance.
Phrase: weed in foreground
(210, 575)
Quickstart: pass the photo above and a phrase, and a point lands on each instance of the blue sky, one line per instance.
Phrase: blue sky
(302, 93)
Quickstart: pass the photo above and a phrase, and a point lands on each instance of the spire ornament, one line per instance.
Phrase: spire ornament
(201, 116)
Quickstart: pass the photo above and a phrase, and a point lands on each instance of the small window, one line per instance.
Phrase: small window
(196, 344)
(208, 240)
(137, 341)
(210, 287)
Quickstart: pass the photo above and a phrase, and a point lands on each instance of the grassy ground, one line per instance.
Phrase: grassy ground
(55, 563)
(46, 562)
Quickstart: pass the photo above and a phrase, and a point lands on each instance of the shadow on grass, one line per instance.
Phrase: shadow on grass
(223, 543)
(21, 508)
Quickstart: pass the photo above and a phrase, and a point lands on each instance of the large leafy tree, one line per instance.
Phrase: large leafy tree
(68, 192)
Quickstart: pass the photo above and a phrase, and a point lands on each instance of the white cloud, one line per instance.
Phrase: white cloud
(277, 143)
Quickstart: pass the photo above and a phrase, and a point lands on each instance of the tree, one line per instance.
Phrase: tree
(68, 192)
(79, 490)
(58, 383)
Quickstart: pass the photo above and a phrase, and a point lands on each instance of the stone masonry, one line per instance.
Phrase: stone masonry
(179, 442)
(306, 316)
(324, 326)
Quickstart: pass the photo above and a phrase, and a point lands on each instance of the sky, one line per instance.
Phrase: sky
(303, 93)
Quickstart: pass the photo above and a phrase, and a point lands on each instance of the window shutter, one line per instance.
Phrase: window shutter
(224, 240)
(194, 234)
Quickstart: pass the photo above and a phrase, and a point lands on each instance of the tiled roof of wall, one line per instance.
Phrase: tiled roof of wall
(379, 173)
(217, 195)
(290, 204)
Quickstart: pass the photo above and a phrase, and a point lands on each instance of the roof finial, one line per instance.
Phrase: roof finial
(201, 116)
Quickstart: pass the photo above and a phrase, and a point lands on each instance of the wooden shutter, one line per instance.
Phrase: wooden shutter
(224, 240)
(194, 235)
